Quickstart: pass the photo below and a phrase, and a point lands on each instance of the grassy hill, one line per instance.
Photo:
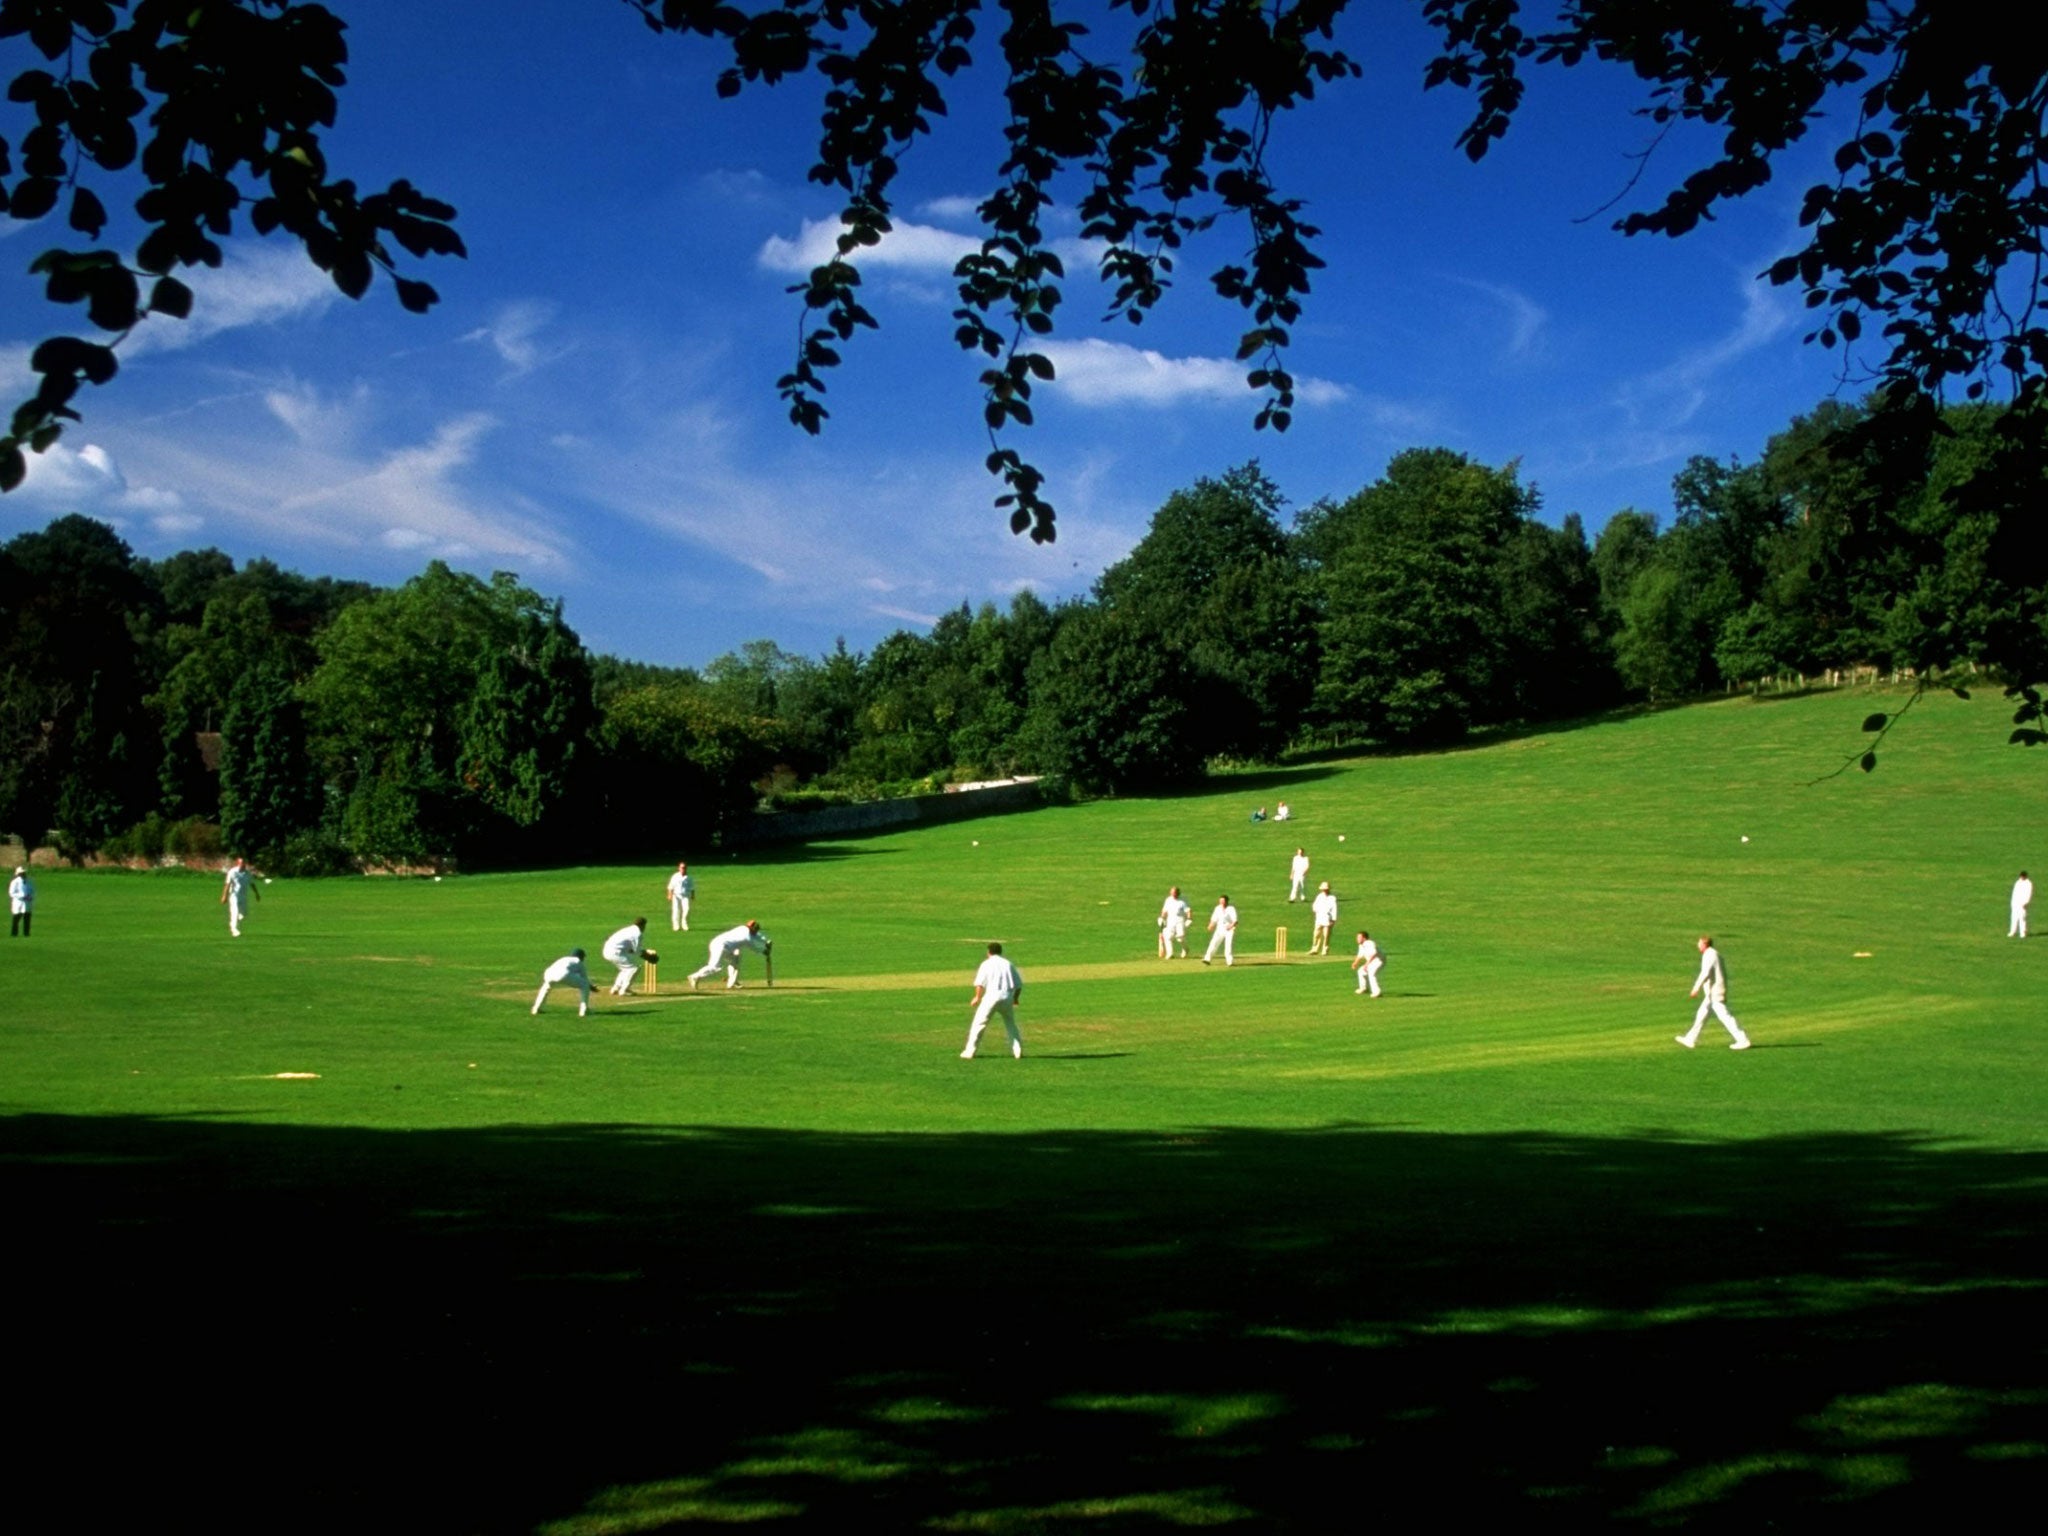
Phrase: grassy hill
(1227, 1247)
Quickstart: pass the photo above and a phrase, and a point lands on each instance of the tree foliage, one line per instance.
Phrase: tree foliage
(1922, 248)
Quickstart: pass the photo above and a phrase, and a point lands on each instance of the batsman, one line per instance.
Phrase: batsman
(727, 949)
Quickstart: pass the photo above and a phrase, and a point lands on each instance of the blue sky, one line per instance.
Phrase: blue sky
(592, 405)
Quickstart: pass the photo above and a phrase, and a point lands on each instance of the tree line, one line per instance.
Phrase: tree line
(186, 706)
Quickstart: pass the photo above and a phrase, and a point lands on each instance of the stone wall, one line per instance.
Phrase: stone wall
(915, 810)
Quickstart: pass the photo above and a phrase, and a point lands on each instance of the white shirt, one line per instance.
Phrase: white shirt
(2022, 891)
(998, 979)
(1175, 913)
(1223, 919)
(742, 937)
(681, 886)
(1325, 908)
(21, 893)
(238, 880)
(1300, 865)
(623, 945)
(1712, 977)
(568, 968)
(1368, 954)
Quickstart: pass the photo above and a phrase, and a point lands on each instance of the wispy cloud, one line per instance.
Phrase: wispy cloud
(254, 285)
(1673, 394)
(1526, 319)
(320, 486)
(1097, 372)
(515, 333)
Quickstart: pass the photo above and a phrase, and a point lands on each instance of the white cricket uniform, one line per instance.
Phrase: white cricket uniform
(681, 888)
(1326, 917)
(567, 970)
(1222, 930)
(2022, 896)
(1713, 987)
(1000, 984)
(1174, 918)
(726, 951)
(21, 905)
(1298, 872)
(623, 950)
(1368, 966)
(239, 879)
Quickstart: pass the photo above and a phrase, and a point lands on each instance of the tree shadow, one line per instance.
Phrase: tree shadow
(601, 1328)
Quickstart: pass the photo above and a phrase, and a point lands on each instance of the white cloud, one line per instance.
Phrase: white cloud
(953, 210)
(912, 247)
(1097, 372)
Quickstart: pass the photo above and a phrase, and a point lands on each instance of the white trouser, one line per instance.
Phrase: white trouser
(727, 960)
(238, 913)
(1294, 890)
(2018, 930)
(628, 969)
(1008, 1010)
(679, 914)
(1369, 976)
(1227, 937)
(546, 987)
(1713, 1004)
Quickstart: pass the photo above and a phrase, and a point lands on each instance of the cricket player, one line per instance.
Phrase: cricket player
(567, 970)
(726, 950)
(1174, 918)
(1326, 918)
(1367, 964)
(21, 902)
(623, 950)
(682, 885)
(235, 890)
(1298, 873)
(998, 986)
(2022, 897)
(1222, 930)
(1713, 982)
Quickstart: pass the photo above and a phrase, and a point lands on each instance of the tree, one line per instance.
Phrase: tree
(1416, 644)
(269, 791)
(1923, 243)
(1109, 708)
(1219, 588)
(78, 741)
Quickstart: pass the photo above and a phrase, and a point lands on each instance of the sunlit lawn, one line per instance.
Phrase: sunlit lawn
(332, 1233)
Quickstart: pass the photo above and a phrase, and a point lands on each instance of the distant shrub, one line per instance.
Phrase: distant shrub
(193, 838)
(312, 856)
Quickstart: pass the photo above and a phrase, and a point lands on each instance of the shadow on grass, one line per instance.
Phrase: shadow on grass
(591, 1329)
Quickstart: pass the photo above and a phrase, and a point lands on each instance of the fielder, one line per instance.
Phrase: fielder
(235, 890)
(2022, 897)
(726, 950)
(1715, 982)
(1174, 918)
(1222, 930)
(682, 885)
(998, 986)
(1367, 964)
(568, 969)
(21, 902)
(1298, 874)
(623, 950)
(1325, 910)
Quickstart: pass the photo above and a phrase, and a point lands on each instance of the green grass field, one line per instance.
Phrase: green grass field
(1228, 1248)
